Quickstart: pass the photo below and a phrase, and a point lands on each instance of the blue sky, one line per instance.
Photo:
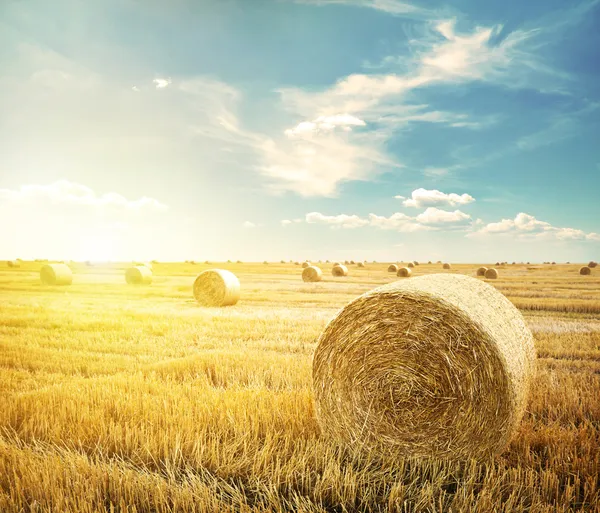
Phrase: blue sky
(265, 129)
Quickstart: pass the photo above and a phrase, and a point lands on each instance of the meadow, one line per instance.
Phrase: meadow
(134, 398)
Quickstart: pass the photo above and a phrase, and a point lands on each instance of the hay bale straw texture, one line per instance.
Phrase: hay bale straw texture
(404, 272)
(585, 270)
(360, 264)
(411, 265)
(217, 287)
(446, 266)
(491, 274)
(312, 274)
(392, 268)
(481, 271)
(305, 264)
(13, 263)
(438, 366)
(138, 275)
(56, 274)
(339, 270)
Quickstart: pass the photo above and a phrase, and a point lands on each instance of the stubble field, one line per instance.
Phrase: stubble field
(125, 398)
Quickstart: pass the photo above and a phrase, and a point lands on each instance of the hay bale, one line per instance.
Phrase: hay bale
(404, 272)
(352, 262)
(56, 274)
(411, 264)
(13, 263)
(392, 268)
(312, 274)
(446, 266)
(336, 263)
(437, 366)
(138, 275)
(360, 264)
(217, 287)
(585, 270)
(306, 264)
(481, 271)
(296, 263)
(415, 262)
(491, 274)
(339, 270)
(592, 264)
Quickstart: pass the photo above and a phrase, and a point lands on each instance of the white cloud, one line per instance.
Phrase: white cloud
(324, 124)
(393, 7)
(423, 197)
(431, 219)
(136, 89)
(286, 222)
(66, 192)
(526, 226)
(248, 224)
(338, 221)
(436, 216)
(161, 83)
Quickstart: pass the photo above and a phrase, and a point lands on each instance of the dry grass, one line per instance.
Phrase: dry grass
(119, 398)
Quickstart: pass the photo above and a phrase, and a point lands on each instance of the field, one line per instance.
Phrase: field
(124, 398)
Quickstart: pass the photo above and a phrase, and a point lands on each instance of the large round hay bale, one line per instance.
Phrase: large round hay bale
(138, 275)
(481, 271)
(446, 266)
(411, 264)
(56, 274)
(491, 274)
(404, 272)
(437, 366)
(392, 268)
(13, 263)
(217, 287)
(339, 270)
(305, 264)
(592, 264)
(585, 270)
(360, 264)
(312, 273)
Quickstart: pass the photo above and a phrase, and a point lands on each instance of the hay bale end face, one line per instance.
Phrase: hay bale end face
(585, 270)
(491, 274)
(305, 264)
(481, 271)
(217, 287)
(56, 274)
(465, 399)
(392, 268)
(446, 266)
(138, 275)
(404, 272)
(312, 274)
(411, 265)
(339, 270)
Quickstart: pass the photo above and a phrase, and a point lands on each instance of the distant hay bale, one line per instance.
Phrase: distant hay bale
(592, 264)
(312, 274)
(217, 287)
(336, 263)
(404, 272)
(238, 262)
(415, 262)
(481, 271)
(553, 263)
(498, 264)
(360, 264)
(446, 266)
(138, 275)
(346, 262)
(56, 274)
(266, 263)
(437, 366)
(392, 268)
(13, 263)
(429, 262)
(352, 262)
(491, 274)
(305, 264)
(411, 264)
(339, 270)
(296, 263)
(282, 262)
(585, 270)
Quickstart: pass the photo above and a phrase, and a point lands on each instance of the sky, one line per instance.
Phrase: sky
(462, 131)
